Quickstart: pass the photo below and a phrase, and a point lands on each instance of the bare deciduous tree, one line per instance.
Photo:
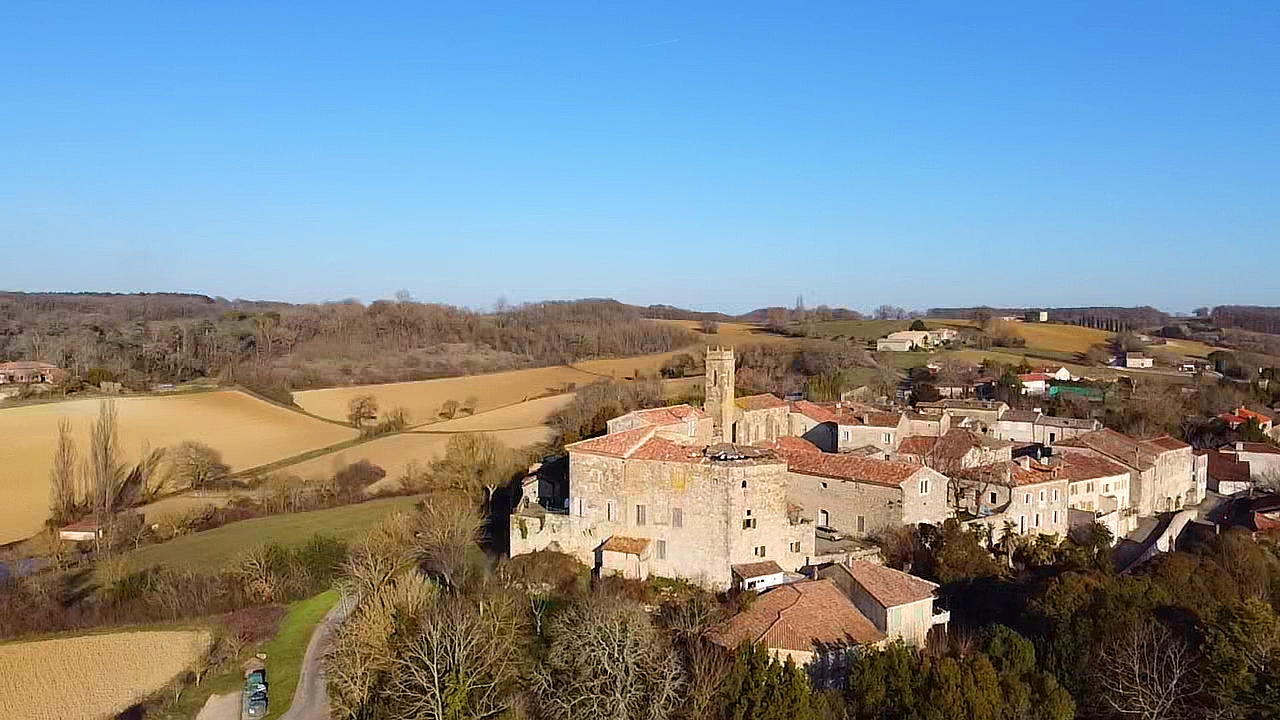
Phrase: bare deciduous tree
(104, 468)
(606, 659)
(361, 408)
(62, 476)
(1147, 672)
(475, 464)
(197, 465)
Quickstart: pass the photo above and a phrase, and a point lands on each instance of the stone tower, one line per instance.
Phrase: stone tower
(718, 401)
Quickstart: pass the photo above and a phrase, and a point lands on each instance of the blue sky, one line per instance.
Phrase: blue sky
(723, 156)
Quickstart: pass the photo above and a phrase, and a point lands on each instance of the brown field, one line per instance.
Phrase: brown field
(92, 676)
(248, 431)
(173, 508)
(423, 398)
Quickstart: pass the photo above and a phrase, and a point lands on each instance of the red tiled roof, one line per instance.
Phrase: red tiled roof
(763, 401)
(786, 442)
(669, 415)
(746, 571)
(1034, 377)
(1123, 448)
(1165, 442)
(1009, 473)
(1247, 414)
(817, 413)
(889, 587)
(1224, 467)
(881, 419)
(658, 448)
(917, 445)
(1079, 466)
(626, 545)
(796, 617)
(849, 467)
(1263, 448)
(619, 444)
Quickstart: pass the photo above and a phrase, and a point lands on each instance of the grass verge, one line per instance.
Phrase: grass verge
(286, 650)
(211, 550)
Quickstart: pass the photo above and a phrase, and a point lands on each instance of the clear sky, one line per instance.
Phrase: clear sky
(723, 156)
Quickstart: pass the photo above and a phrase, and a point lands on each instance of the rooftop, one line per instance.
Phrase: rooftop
(917, 445)
(746, 571)
(763, 401)
(787, 442)
(673, 415)
(645, 444)
(626, 545)
(1077, 466)
(852, 468)
(889, 587)
(27, 365)
(1027, 416)
(797, 617)
(814, 412)
(1010, 473)
(1223, 467)
(1066, 422)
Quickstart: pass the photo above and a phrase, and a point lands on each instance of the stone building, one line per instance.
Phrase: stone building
(983, 413)
(760, 418)
(815, 423)
(641, 504)
(861, 496)
(897, 604)
(30, 372)
(959, 448)
(1028, 495)
(1098, 488)
(1050, 430)
(1164, 473)
(678, 423)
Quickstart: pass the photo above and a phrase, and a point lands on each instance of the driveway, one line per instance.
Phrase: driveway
(311, 699)
(221, 707)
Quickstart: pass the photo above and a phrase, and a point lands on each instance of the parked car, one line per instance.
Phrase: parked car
(256, 709)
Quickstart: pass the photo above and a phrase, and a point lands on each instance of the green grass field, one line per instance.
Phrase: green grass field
(286, 650)
(211, 550)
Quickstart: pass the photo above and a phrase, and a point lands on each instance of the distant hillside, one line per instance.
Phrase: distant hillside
(1114, 319)
(1247, 317)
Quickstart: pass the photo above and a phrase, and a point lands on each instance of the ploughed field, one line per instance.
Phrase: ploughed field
(92, 676)
(248, 432)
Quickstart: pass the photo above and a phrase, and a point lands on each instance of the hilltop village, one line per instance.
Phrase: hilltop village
(759, 492)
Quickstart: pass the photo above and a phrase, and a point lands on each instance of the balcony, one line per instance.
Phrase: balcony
(941, 617)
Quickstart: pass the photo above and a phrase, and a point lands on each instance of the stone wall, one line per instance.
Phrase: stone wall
(755, 426)
(700, 518)
(878, 506)
(821, 434)
(718, 386)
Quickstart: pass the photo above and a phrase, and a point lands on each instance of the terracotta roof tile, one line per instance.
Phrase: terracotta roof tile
(763, 401)
(881, 419)
(1166, 442)
(849, 467)
(917, 445)
(669, 415)
(658, 448)
(1010, 473)
(1028, 416)
(889, 587)
(796, 617)
(1077, 466)
(619, 444)
(746, 571)
(814, 412)
(1263, 448)
(1224, 467)
(626, 545)
(1120, 447)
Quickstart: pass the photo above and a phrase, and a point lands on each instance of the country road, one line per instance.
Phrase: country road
(311, 699)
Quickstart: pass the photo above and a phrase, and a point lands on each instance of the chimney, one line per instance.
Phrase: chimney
(1025, 462)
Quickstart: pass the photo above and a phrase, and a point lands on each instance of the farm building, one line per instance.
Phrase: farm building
(25, 372)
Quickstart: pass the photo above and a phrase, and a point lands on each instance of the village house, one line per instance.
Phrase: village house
(29, 372)
(895, 345)
(1263, 459)
(1049, 429)
(1164, 473)
(815, 423)
(800, 622)
(758, 576)
(1098, 490)
(1138, 360)
(862, 496)
(1016, 426)
(1242, 415)
(983, 413)
(1022, 494)
(1035, 383)
(760, 418)
(958, 448)
(1227, 475)
(899, 605)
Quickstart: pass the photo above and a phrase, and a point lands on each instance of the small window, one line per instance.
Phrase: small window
(744, 483)
(1022, 523)
(1037, 519)
(1106, 487)
(759, 551)
(640, 514)
(1041, 496)
(1057, 494)
(610, 511)
(824, 486)
(846, 435)
(862, 524)
(924, 486)
(888, 438)
(795, 546)
(1026, 499)
(993, 498)
(677, 517)
(748, 523)
(661, 549)
(1055, 517)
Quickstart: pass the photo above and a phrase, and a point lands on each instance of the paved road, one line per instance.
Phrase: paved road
(311, 700)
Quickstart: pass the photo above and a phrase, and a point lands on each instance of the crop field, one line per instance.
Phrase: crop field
(424, 398)
(93, 676)
(211, 550)
(172, 508)
(248, 432)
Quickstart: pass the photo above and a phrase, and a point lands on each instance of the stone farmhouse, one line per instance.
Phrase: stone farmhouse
(1098, 489)
(956, 449)
(898, 604)
(1023, 494)
(1263, 459)
(907, 340)
(1033, 426)
(29, 372)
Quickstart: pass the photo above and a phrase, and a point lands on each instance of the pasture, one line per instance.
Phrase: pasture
(211, 550)
(93, 676)
(248, 431)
